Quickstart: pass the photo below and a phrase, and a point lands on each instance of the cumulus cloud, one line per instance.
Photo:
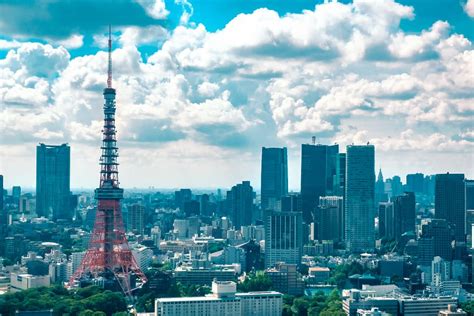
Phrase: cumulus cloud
(59, 20)
(264, 79)
(469, 8)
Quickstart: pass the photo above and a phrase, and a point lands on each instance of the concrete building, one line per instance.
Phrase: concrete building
(204, 276)
(53, 181)
(223, 301)
(359, 198)
(425, 306)
(283, 238)
(452, 311)
(143, 255)
(286, 279)
(356, 302)
(24, 281)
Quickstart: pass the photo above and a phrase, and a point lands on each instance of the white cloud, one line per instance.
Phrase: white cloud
(207, 89)
(134, 36)
(469, 8)
(74, 41)
(154, 8)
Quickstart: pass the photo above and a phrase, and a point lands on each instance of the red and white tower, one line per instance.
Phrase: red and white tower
(109, 257)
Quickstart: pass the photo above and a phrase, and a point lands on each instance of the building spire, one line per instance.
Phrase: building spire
(109, 71)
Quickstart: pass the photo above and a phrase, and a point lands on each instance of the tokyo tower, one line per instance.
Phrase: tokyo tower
(109, 260)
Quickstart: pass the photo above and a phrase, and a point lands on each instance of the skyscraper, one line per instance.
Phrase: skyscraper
(330, 218)
(415, 182)
(283, 237)
(3, 220)
(359, 198)
(136, 218)
(240, 203)
(53, 181)
(318, 175)
(274, 176)
(450, 202)
(404, 213)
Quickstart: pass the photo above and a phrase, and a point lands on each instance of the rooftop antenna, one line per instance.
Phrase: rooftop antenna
(313, 139)
(109, 71)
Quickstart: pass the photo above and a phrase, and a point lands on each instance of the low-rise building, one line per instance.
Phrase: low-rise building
(205, 276)
(286, 279)
(26, 281)
(425, 306)
(223, 301)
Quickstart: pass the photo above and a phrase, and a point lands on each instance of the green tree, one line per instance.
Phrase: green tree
(258, 281)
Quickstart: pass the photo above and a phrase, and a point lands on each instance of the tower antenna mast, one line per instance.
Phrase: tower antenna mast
(109, 70)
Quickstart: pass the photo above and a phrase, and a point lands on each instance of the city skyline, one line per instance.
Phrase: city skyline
(191, 102)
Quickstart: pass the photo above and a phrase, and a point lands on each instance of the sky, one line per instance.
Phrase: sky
(203, 85)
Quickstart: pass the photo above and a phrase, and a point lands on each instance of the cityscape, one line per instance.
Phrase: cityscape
(314, 158)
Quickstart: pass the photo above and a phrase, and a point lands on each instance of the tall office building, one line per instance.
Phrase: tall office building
(404, 210)
(3, 220)
(415, 182)
(53, 181)
(441, 234)
(359, 198)
(283, 237)
(450, 202)
(136, 218)
(318, 175)
(341, 173)
(386, 220)
(240, 204)
(291, 203)
(396, 186)
(181, 197)
(274, 176)
(469, 194)
(330, 215)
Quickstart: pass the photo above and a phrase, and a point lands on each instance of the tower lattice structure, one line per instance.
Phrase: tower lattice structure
(109, 255)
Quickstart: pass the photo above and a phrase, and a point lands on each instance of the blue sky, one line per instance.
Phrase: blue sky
(203, 85)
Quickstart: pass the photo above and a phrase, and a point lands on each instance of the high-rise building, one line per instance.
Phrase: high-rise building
(16, 194)
(283, 237)
(386, 220)
(330, 218)
(441, 235)
(404, 213)
(450, 202)
(136, 218)
(240, 202)
(341, 174)
(380, 195)
(53, 181)
(274, 177)
(291, 203)
(182, 196)
(359, 198)
(318, 175)
(469, 194)
(415, 182)
(3, 220)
